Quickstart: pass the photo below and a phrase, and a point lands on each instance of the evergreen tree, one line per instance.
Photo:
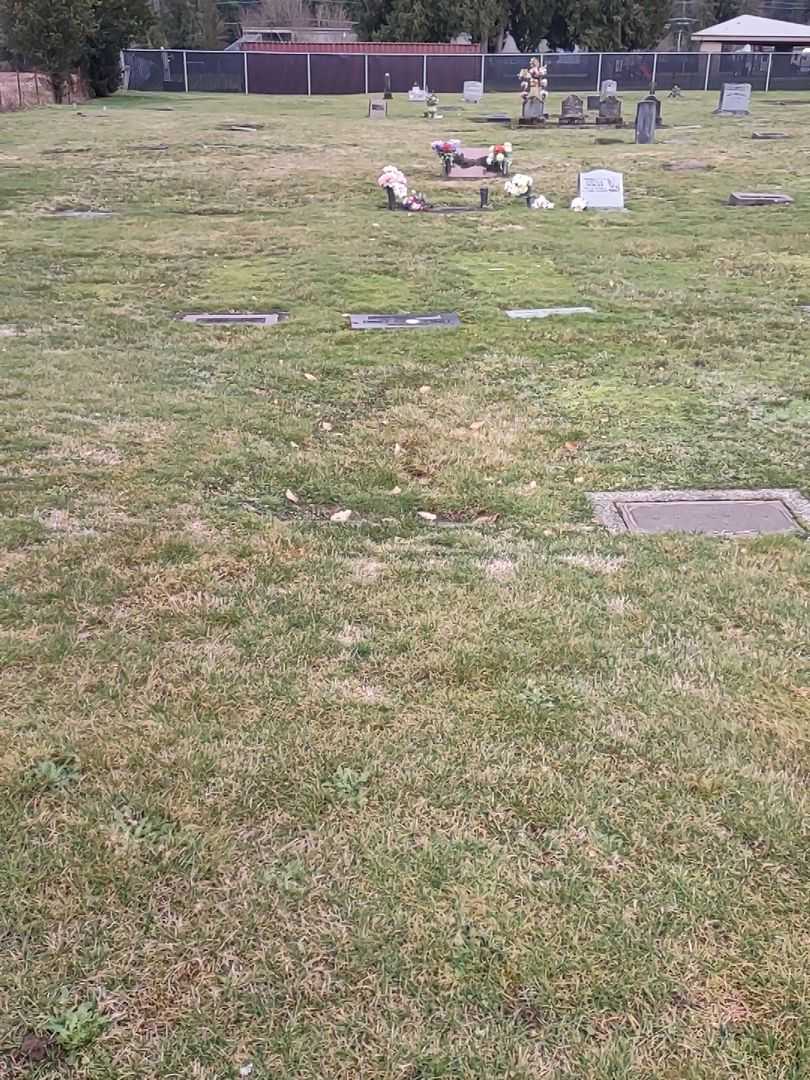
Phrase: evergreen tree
(48, 33)
(115, 23)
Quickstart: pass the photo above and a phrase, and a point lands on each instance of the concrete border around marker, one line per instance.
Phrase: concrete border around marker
(545, 313)
(608, 514)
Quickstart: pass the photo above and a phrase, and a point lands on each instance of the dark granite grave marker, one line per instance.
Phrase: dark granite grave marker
(264, 318)
(759, 198)
(712, 513)
(404, 322)
(770, 135)
(593, 102)
(645, 122)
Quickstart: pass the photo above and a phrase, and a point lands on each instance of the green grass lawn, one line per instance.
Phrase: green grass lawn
(388, 800)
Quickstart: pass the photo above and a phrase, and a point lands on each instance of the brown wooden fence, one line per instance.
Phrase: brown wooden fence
(24, 89)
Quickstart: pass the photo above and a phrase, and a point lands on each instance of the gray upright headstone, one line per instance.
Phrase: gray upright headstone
(645, 121)
(609, 88)
(533, 111)
(734, 99)
(610, 111)
(571, 111)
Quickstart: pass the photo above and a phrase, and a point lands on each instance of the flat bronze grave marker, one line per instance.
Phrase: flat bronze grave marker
(404, 322)
(735, 512)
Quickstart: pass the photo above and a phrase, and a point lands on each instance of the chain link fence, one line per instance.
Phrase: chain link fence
(304, 72)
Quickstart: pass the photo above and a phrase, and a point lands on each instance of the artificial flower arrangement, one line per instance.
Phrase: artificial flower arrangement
(400, 197)
(520, 186)
(499, 157)
(448, 150)
(392, 178)
(432, 107)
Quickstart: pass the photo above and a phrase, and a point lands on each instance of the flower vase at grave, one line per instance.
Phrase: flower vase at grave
(392, 199)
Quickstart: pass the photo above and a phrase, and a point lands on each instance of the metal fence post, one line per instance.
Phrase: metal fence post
(246, 74)
(366, 67)
(309, 74)
(19, 89)
(599, 74)
(36, 86)
(655, 67)
(424, 71)
(768, 76)
(708, 69)
(185, 70)
(483, 58)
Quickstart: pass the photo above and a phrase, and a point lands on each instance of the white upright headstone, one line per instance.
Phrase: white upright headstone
(377, 110)
(734, 99)
(609, 88)
(601, 189)
(416, 93)
(473, 92)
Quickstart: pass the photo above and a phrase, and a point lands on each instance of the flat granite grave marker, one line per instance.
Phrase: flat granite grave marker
(405, 322)
(759, 198)
(713, 513)
(734, 100)
(687, 165)
(251, 318)
(602, 189)
(473, 172)
(544, 313)
(592, 102)
(770, 135)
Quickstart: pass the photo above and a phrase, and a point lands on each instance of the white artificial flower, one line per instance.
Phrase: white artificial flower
(400, 190)
(578, 204)
(519, 184)
(507, 147)
(489, 159)
(540, 202)
(500, 157)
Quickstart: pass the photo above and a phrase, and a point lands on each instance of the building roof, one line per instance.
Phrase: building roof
(752, 28)
(389, 47)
